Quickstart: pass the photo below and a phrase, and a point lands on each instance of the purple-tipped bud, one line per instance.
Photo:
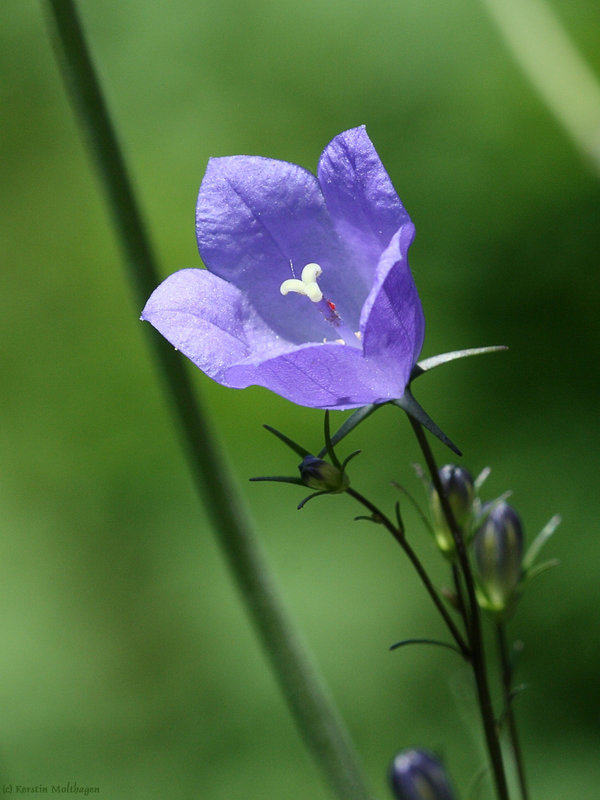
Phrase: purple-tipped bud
(419, 775)
(498, 549)
(321, 475)
(458, 486)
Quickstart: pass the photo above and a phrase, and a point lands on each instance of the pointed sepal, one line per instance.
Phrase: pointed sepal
(427, 364)
(408, 404)
(297, 448)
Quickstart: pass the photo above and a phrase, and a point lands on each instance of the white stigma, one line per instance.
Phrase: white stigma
(307, 285)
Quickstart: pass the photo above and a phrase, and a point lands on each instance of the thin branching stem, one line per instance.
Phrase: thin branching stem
(473, 623)
(398, 535)
(460, 594)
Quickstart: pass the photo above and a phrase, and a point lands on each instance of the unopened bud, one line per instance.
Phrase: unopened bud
(458, 487)
(419, 775)
(322, 475)
(498, 549)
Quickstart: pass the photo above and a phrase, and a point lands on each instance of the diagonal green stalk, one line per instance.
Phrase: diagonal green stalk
(299, 680)
(473, 623)
(550, 60)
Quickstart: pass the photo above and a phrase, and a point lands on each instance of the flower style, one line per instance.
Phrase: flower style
(308, 291)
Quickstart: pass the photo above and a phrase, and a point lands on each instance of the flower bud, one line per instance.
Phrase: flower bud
(322, 475)
(498, 550)
(458, 486)
(419, 775)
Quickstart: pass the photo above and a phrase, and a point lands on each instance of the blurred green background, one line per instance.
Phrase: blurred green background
(127, 661)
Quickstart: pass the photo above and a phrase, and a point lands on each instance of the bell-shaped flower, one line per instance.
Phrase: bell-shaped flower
(308, 291)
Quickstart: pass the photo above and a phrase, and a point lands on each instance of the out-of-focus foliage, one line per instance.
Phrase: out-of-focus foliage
(126, 660)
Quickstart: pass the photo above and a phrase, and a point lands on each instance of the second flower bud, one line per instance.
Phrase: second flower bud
(323, 476)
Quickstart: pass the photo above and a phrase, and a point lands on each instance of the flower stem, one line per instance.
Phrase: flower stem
(401, 539)
(460, 595)
(300, 682)
(473, 622)
(507, 674)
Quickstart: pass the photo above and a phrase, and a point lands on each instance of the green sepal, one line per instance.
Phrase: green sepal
(481, 478)
(280, 479)
(409, 405)
(302, 503)
(533, 572)
(349, 424)
(297, 448)
(328, 443)
(444, 358)
(419, 369)
(539, 541)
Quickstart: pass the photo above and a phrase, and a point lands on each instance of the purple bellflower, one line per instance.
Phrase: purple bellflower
(308, 291)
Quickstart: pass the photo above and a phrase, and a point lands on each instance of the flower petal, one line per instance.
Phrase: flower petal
(360, 196)
(210, 321)
(256, 215)
(328, 375)
(392, 320)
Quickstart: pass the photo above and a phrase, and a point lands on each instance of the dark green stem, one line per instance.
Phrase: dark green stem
(473, 623)
(302, 687)
(398, 535)
(460, 595)
(507, 676)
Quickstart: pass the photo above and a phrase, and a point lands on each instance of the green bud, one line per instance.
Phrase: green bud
(322, 475)
(498, 551)
(458, 487)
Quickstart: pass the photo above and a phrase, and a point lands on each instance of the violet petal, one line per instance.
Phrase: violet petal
(360, 196)
(392, 324)
(256, 215)
(210, 321)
